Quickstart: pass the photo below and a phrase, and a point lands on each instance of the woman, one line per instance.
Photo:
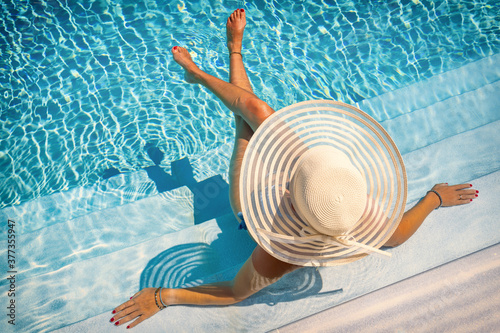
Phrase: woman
(262, 268)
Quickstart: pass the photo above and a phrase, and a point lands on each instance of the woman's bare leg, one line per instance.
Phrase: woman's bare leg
(249, 111)
(234, 31)
(240, 101)
(237, 75)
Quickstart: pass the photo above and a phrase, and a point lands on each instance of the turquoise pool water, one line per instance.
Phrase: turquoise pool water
(88, 85)
(84, 86)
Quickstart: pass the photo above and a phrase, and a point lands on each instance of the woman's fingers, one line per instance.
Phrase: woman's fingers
(120, 315)
(131, 316)
(123, 306)
(461, 186)
(468, 194)
(127, 303)
(459, 194)
(462, 202)
(136, 314)
(140, 307)
(138, 321)
(453, 187)
(137, 293)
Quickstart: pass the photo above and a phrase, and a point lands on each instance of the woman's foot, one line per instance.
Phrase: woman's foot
(234, 30)
(183, 58)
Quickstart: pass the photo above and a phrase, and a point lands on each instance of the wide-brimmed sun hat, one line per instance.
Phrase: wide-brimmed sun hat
(322, 184)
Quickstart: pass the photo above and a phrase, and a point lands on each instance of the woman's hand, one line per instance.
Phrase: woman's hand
(455, 194)
(413, 218)
(140, 307)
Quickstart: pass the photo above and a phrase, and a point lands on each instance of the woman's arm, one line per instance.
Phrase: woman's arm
(246, 283)
(413, 218)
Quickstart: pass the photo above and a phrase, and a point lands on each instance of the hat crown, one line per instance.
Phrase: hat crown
(328, 191)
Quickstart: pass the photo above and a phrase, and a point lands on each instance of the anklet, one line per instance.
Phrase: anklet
(236, 53)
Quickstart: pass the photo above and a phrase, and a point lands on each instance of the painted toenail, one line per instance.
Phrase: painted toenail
(242, 9)
(175, 47)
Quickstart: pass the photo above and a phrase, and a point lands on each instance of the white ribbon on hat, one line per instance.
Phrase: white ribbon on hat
(346, 241)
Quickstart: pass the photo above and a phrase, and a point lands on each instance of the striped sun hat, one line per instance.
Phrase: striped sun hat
(322, 184)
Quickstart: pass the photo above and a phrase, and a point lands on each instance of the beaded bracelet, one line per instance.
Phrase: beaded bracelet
(156, 299)
(440, 199)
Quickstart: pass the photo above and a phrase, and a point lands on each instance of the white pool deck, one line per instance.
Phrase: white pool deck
(461, 296)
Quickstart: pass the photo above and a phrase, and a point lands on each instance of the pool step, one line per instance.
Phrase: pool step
(62, 206)
(118, 226)
(440, 107)
(438, 88)
(116, 191)
(445, 127)
(101, 232)
(456, 160)
(87, 287)
(452, 116)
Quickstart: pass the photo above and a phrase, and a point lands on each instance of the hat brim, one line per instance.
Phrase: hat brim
(269, 163)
